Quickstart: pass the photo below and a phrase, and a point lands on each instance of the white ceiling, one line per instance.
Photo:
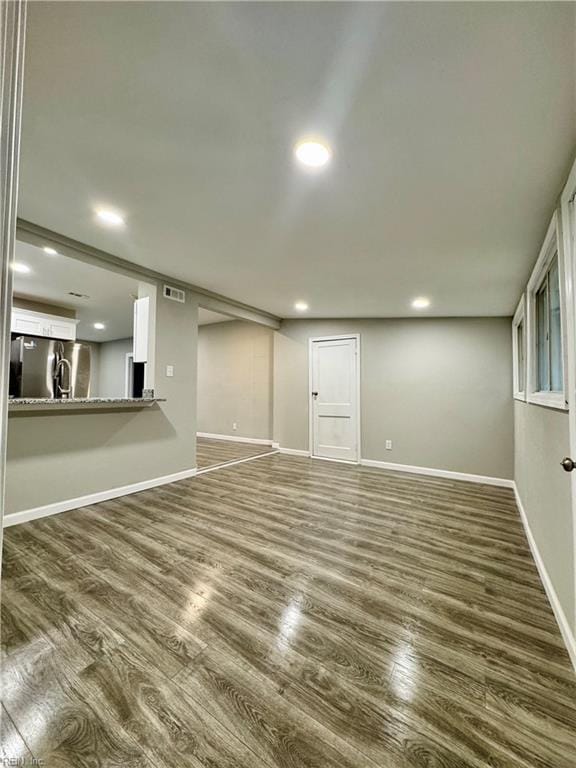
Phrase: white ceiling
(108, 297)
(453, 127)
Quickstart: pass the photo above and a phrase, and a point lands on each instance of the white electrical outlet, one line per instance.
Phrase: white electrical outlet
(234, 426)
(388, 445)
(170, 370)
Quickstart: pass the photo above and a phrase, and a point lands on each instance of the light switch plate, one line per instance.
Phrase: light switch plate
(169, 370)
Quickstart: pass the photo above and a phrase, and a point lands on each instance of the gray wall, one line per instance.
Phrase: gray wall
(22, 302)
(542, 439)
(440, 389)
(235, 379)
(94, 365)
(112, 368)
(59, 456)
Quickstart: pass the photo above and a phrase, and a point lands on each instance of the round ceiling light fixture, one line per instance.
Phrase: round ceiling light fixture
(313, 153)
(421, 303)
(301, 306)
(99, 326)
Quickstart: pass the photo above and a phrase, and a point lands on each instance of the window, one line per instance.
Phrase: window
(546, 369)
(549, 332)
(519, 351)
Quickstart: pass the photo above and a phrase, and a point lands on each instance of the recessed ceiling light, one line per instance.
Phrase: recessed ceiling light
(109, 217)
(421, 303)
(301, 306)
(99, 326)
(313, 153)
(50, 251)
(23, 269)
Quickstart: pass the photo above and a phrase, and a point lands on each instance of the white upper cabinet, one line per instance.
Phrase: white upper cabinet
(30, 323)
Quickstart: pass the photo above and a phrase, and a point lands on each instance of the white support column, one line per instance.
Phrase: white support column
(12, 34)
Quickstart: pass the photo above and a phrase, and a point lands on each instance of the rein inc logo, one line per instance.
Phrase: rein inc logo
(9, 762)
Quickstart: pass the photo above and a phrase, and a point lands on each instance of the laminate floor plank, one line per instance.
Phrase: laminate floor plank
(284, 613)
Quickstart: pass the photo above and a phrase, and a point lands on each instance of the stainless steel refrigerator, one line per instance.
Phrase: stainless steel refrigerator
(48, 368)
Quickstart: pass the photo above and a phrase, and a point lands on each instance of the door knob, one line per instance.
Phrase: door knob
(567, 464)
(314, 394)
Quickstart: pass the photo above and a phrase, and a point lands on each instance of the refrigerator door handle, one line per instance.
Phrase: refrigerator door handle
(63, 363)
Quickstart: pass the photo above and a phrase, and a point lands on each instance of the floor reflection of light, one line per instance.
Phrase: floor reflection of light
(197, 602)
(405, 674)
(291, 616)
(13, 747)
(32, 664)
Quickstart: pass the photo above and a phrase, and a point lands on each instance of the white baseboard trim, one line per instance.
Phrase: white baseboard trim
(293, 451)
(235, 438)
(445, 473)
(337, 461)
(562, 621)
(227, 464)
(93, 498)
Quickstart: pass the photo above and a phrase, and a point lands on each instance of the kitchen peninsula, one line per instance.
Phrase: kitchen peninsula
(79, 403)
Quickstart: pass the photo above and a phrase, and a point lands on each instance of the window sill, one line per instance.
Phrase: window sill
(549, 400)
(520, 396)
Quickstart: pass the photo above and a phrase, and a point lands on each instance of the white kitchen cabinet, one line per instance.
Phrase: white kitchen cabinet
(62, 329)
(31, 326)
(31, 323)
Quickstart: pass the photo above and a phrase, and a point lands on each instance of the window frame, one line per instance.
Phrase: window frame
(519, 319)
(551, 248)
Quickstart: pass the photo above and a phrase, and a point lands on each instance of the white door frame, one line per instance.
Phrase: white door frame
(311, 342)
(568, 223)
(129, 374)
(12, 34)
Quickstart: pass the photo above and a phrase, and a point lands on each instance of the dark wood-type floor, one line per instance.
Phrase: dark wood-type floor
(285, 612)
(210, 453)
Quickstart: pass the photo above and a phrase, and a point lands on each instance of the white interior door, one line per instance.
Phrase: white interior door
(569, 237)
(334, 398)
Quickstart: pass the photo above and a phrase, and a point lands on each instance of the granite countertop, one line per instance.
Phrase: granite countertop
(73, 403)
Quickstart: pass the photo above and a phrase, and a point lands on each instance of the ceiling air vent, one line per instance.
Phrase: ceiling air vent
(174, 294)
